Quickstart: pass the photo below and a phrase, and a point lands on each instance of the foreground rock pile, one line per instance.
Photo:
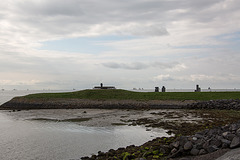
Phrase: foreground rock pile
(227, 104)
(204, 142)
(207, 141)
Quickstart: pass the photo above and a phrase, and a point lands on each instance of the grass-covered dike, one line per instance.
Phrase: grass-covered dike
(118, 94)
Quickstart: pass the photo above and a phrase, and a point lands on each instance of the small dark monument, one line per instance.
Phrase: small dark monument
(163, 89)
(198, 89)
(104, 87)
(156, 89)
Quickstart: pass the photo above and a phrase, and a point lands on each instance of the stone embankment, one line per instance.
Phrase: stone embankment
(204, 142)
(226, 104)
(58, 103)
(207, 141)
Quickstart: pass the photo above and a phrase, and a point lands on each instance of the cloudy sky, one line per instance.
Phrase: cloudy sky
(65, 44)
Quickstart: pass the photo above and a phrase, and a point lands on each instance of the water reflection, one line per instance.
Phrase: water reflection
(26, 139)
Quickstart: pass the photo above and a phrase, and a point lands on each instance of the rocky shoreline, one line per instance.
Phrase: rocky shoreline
(21, 103)
(201, 143)
(224, 104)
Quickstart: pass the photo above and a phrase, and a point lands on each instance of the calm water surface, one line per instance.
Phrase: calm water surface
(26, 139)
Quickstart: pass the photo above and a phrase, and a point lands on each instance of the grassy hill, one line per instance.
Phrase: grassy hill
(119, 94)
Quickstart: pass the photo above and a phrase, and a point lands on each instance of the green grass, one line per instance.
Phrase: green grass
(129, 95)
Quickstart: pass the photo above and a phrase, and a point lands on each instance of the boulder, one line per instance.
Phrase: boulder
(212, 148)
(194, 152)
(188, 145)
(202, 151)
(175, 144)
(235, 142)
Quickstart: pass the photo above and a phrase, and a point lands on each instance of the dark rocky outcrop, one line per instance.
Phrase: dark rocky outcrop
(226, 104)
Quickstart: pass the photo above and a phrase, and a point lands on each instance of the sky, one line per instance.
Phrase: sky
(59, 44)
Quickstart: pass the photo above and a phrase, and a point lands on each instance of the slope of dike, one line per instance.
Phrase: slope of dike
(117, 99)
(21, 103)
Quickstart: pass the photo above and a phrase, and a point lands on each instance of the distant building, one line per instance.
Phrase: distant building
(198, 89)
(163, 89)
(104, 87)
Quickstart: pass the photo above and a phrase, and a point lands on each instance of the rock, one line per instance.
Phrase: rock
(182, 140)
(188, 145)
(100, 153)
(229, 136)
(162, 151)
(238, 132)
(199, 146)
(235, 142)
(198, 136)
(176, 144)
(121, 149)
(212, 148)
(174, 150)
(216, 142)
(194, 138)
(233, 127)
(94, 156)
(225, 128)
(194, 152)
(224, 134)
(202, 151)
(212, 132)
(225, 143)
(206, 145)
(112, 151)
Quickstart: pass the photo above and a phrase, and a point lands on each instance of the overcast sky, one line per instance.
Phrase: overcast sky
(66, 44)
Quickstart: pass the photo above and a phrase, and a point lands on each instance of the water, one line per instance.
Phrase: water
(21, 138)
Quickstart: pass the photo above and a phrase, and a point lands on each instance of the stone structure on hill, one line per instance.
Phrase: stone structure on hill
(198, 89)
(104, 87)
(163, 89)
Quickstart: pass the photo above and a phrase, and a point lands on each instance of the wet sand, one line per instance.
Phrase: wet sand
(105, 117)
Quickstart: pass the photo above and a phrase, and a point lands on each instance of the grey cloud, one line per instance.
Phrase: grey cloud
(94, 11)
(73, 17)
(151, 30)
(50, 8)
(140, 65)
(131, 66)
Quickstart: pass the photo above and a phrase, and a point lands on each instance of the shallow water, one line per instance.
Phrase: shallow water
(21, 138)
(24, 139)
